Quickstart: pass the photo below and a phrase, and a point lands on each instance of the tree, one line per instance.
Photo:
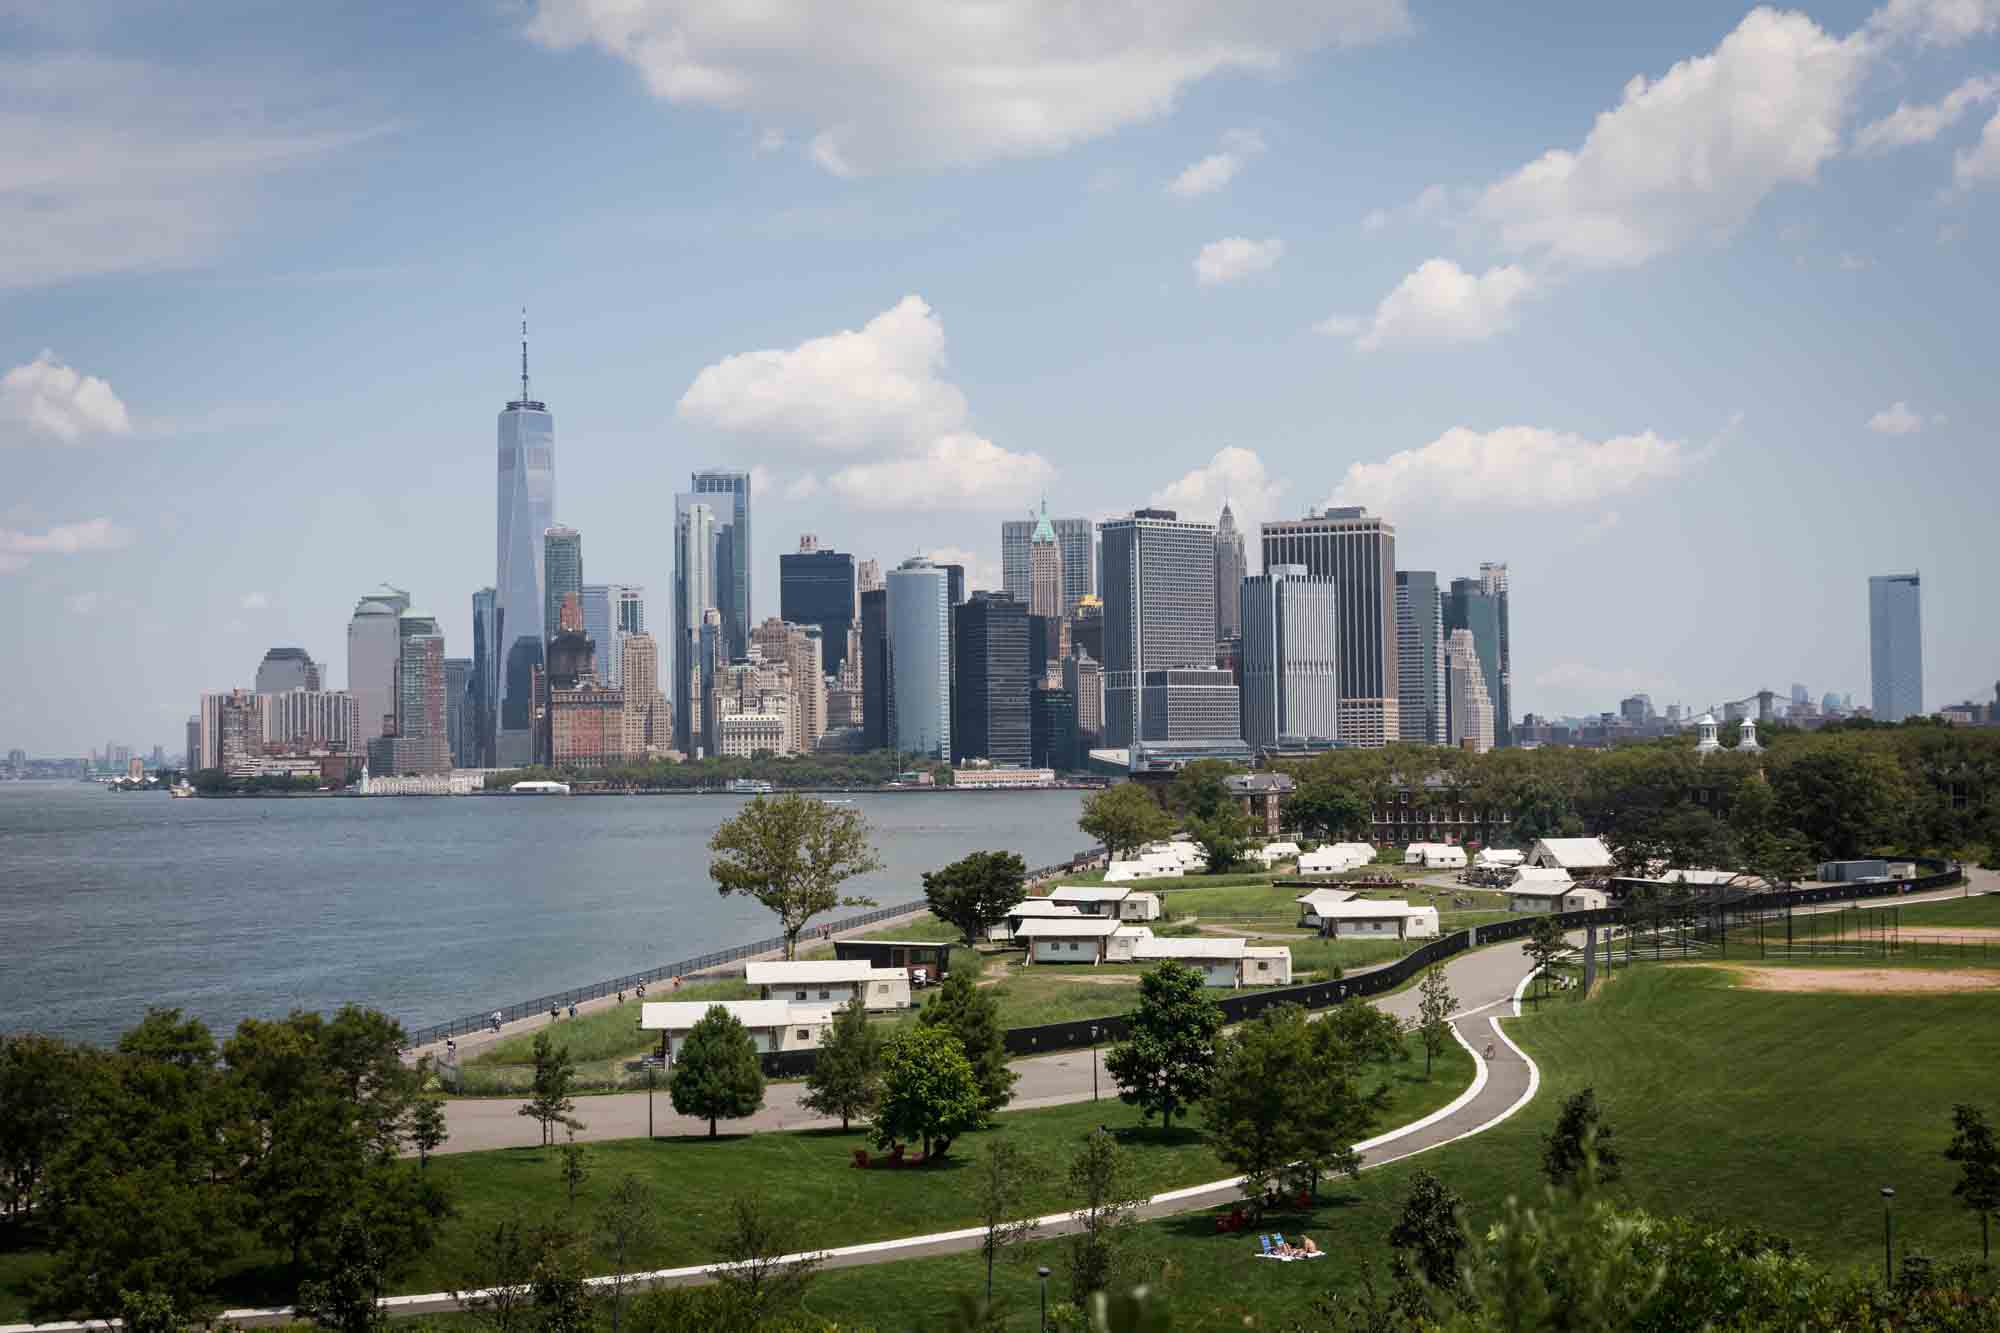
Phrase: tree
(973, 1016)
(976, 891)
(846, 1077)
(626, 1229)
(792, 854)
(1435, 1006)
(1100, 1182)
(575, 1164)
(762, 1279)
(1201, 788)
(1165, 1063)
(717, 1075)
(497, 1289)
(1580, 1135)
(42, 1082)
(1222, 835)
(930, 1094)
(1428, 1238)
(425, 1121)
(1545, 944)
(549, 1102)
(1000, 1190)
(1330, 811)
(346, 1299)
(1124, 818)
(560, 1295)
(1978, 1157)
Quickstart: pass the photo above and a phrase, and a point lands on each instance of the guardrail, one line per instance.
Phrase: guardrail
(541, 1004)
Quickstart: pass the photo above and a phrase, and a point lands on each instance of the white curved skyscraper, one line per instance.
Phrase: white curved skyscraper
(527, 490)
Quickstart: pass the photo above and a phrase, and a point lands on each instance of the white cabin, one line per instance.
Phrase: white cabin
(1579, 856)
(1311, 903)
(1226, 961)
(1434, 855)
(1377, 919)
(1335, 857)
(1003, 931)
(1082, 939)
(1124, 872)
(1271, 853)
(1099, 900)
(1494, 858)
(774, 1025)
(831, 981)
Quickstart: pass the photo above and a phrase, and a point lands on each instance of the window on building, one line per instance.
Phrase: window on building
(826, 995)
(1263, 966)
(881, 988)
(805, 1034)
(798, 995)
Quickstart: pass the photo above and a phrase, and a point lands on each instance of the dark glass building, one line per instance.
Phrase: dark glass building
(1053, 735)
(817, 588)
(990, 714)
(1469, 605)
(877, 724)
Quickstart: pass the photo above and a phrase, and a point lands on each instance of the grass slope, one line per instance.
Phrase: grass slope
(1787, 1111)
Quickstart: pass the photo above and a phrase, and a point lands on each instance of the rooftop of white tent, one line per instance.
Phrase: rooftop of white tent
(680, 1015)
(1092, 893)
(1318, 896)
(1364, 909)
(1043, 907)
(1067, 928)
(1540, 875)
(1577, 852)
(809, 972)
(1201, 946)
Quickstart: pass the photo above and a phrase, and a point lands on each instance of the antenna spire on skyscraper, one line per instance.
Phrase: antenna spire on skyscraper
(524, 354)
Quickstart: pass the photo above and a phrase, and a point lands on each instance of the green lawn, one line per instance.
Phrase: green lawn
(1980, 910)
(1787, 1111)
(604, 1034)
(807, 1176)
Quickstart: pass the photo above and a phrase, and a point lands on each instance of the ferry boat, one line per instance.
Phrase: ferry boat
(180, 790)
(750, 787)
(539, 789)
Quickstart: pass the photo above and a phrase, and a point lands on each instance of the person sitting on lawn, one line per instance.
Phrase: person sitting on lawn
(1307, 1248)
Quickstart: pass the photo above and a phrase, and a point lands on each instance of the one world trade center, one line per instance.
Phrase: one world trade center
(527, 509)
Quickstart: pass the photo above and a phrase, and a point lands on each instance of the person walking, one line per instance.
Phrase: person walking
(496, 1020)
(572, 1011)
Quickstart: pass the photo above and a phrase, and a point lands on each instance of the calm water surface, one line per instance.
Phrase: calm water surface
(426, 907)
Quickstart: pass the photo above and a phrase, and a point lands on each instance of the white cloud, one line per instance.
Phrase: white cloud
(83, 603)
(1235, 257)
(802, 487)
(1936, 22)
(1441, 302)
(1514, 467)
(1218, 169)
(1375, 220)
(1981, 163)
(1896, 419)
(120, 165)
(49, 399)
(18, 547)
(951, 82)
(770, 141)
(255, 601)
(1432, 204)
(1340, 326)
(956, 472)
(1235, 475)
(1923, 122)
(981, 570)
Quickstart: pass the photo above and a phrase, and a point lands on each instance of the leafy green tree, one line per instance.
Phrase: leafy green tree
(42, 1085)
(1435, 1006)
(717, 1075)
(1000, 1190)
(1124, 818)
(560, 1296)
(1544, 945)
(1222, 836)
(496, 1288)
(1978, 1158)
(792, 853)
(347, 1297)
(973, 1016)
(930, 1094)
(426, 1124)
(1845, 799)
(549, 1097)
(150, 1312)
(627, 1227)
(762, 1280)
(846, 1077)
(573, 1160)
(1165, 1063)
(977, 891)
(1329, 810)
(1428, 1237)
(1100, 1181)
(1201, 788)
(1580, 1135)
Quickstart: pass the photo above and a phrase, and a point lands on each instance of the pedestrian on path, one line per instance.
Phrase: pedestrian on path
(555, 1013)
(572, 1010)
(496, 1020)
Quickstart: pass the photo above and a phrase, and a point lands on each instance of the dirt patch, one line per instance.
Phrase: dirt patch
(1951, 934)
(1864, 980)
(1115, 979)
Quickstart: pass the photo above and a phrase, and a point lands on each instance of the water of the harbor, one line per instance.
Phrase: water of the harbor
(425, 907)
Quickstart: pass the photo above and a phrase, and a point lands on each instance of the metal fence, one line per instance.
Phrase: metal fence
(541, 1004)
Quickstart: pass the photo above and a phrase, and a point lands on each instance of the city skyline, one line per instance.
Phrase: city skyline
(1318, 282)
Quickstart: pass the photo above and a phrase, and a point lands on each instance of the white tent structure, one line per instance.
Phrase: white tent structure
(1433, 855)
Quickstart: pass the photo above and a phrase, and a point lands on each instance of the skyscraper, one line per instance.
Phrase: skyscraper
(485, 677)
(1472, 605)
(287, 669)
(733, 597)
(1083, 679)
(422, 742)
(527, 509)
(458, 711)
(816, 587)
(1358, 552)
(313, 720)
(694, 593)
(562, 573)
(1895, 646)
(1159, 631)
(919, 613)
(1465, 691)
(1291, 691)
(1229, 572)
(868, 574)
(878, 729)
(990, 681)
(1493, 578)
(1420, 650)
(372, 647)
(1073, 538)
(611, 611)
(1053, 734)
(1045, 569)
(648, 726)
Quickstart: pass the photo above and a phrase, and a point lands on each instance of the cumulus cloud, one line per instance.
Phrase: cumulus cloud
(924, 83)
(1235, 257)
(1935, 22)
(1514, 467)
(1217, 169)
(982, 571)
(50, 400)
(126, 165)
(18, 547)
(1441, 302)
(1896, 419)
(1234, 475)
(877, 395)
(1340, 326)
(1922, 122)
(1981, 163)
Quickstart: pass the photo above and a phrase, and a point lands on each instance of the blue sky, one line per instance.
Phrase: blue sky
(1687, 315)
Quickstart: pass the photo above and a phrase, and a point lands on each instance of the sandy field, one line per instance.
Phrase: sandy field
(1864, 980)
(1955, 934)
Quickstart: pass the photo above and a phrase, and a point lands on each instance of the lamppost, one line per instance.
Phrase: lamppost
(1093, 1062)
(1043, 1274)
(1888, 1235)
